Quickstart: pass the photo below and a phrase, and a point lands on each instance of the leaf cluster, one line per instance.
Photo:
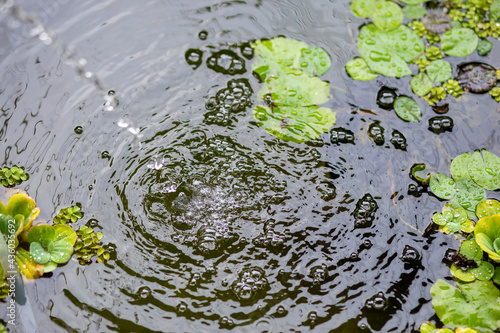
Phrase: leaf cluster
(68, 215)
(292, 91)
(12, 176)
(88, 245)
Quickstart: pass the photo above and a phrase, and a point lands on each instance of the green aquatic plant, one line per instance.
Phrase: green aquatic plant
(453, 88)
(291, 91)
(433, 53)
(421, 84)
(407, 109)
(435, 95)
(487, 233)
(439, 70)
(22, 210)
(453, 220)
(12, 176)
(477, 269)
(487, 208)
(495, 93)
(358, 69)
(88, 245)
(431, 328)
(68, 215)
(418, 27)
(476, 305)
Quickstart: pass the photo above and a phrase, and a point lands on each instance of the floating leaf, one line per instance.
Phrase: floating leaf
(359, 70)
(387, 53)
(363, 8)
(407, 109)
(453, 220)
(460, 167)
(495, 10)
(484, 47)
(421, 84)
(459, 42)
(296, 89)
(455, 308)
(51, 243)
(442, 186)
(414, 12)
(471, 250)
(483, 272)
(276, 55)
(487, 208)
(476, 77)
(295, 123)
(387, 15)
(469, 194)
(421, 173)
(314, 61)
(413, 2)
(485, 169)
(487, 233)
(439, 70)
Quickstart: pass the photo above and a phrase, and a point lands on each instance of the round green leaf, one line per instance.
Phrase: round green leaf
(484, 47)
(459, 42)
(442, 186)
(387, 15)
(471, 250)
(454, 308)
(363, 8)
(40, 232)
(487, 208)
(484, 271)
(407, 109)
(296, 89)
(439, 70)
(387, 53)
(359, 70)
(414, 12)
(276, 55)
(485, 169)
(469, 194)
(495, 10)
(466, 276)
(314, 61)
(39, 254)
(421, 84)
(460, 167)
(62, 252)
(64, 233)
(295, 123)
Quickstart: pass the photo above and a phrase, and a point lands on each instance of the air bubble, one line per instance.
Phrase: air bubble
(78, 130)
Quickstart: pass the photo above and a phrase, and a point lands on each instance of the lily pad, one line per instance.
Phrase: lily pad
(276, 55)
(483, 272)
(454, 308)
(314, 61)
(459, 42)
(363, 8)
(421, 84)
(359, 70)
(442, 186)
(414, 12)
(387, 53)
(485, 169)
(295, 123)
(460, 167)
(487, 208)
(469, 194)
(495, 10)
(387, 15)
(487, 233)
(407, 109)
(439, 70)
(296, 89)
(477, 77)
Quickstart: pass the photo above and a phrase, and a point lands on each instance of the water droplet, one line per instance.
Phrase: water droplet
(78, 129)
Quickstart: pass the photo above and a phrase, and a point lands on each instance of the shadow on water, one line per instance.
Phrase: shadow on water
(213, 224)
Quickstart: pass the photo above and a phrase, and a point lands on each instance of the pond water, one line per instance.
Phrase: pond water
(212, 223)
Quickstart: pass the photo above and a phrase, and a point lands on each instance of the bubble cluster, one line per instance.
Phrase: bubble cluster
(377, 302)
(250, 285)
(341, 135)
(398, 140)
(386, 97)
(210, 238)
(364, 214)
(440, 124)
(270, 238)
(410, 254)
(319, 274)
(376, 132)
(226, 62)
(233, 99)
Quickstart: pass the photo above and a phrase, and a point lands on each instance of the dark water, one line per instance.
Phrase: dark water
(237, 230)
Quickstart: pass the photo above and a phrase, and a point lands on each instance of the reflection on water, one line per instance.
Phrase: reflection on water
(214, 224)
